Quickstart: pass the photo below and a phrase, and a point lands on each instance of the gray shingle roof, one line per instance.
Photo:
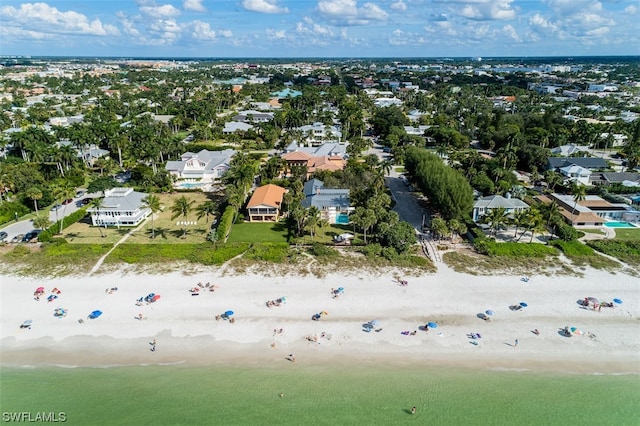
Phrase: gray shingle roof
(320, 197)
(586, 162)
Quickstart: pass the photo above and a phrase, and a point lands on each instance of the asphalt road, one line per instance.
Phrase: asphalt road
(406, 205)
(25, 226)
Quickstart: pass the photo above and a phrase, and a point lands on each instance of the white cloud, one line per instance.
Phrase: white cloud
(194, 5)
(347, 12)
(313, 29)
(484, 9)
(511, 32)
(630, 10)
(225, 33)
(151, 9)
(541, 24)
(399, 6)
(264, 6)
(202, 31)
(276, 34)
(42, 18)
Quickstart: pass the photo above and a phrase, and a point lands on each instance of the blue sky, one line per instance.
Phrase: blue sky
(320, 28)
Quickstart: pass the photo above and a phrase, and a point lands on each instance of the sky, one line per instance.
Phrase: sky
(319, 28)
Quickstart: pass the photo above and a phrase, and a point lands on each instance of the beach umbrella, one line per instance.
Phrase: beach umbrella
(618, 301)
(432, 325)
(340, 289)
(40, 290)
(228, 313)
(283, 298)
(524, 305)
(155, 298)
(373, 322)
(27, 322)
(489, 312)
(576, 330)
(95, 314)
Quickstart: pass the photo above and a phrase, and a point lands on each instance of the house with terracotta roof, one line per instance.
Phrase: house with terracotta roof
(266, 203)
(592, 211)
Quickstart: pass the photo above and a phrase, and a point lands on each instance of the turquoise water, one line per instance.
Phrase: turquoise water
(619, 225)
(190, 185)
(342, 219)
(367, 394)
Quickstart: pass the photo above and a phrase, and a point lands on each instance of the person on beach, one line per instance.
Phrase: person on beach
(536, 332)
(291, 358)
(413, 410)
(515, 345)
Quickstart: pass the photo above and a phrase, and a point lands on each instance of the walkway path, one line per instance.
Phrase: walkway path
(122, 240)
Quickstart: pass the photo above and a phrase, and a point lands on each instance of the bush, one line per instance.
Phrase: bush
(626, 251)
(268, 252)
(320, 250)
(225, 223)
(47, 234)
(371, 250)
(566, 232)
(573, 248)
(206, 254)
(8, 210)
(510, 249)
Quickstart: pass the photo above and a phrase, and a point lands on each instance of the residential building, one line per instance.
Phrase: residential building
(203, 167)
(235, 126)
(591, 163)
(252, 116)
(333, 203)
(484, 205)
(88, 153)
(120, 207)
(592, 211)
(576, 174)
(265, 204)
(622, 178)
(317, 133)
(569, 150)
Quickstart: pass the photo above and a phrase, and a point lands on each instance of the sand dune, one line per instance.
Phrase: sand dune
(186, 330)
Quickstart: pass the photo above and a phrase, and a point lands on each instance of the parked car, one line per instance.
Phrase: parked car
(67, 201)
(56, 207)
(3, 236)
(85, 201)
(18, 238)
(31, 236)
(80, 193)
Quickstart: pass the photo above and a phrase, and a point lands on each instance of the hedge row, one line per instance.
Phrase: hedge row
(224, 224)
(46, 235)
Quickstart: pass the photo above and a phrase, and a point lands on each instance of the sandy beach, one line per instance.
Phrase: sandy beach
(186, 331)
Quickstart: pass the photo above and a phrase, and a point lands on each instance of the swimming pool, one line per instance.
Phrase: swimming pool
(342, 219)
(619, 225)
(188, 185)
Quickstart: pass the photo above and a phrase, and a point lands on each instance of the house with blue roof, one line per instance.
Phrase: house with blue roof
(333, 203)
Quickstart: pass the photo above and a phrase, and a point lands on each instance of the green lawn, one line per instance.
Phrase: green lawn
(628, 233)
(247, 232)
(592, 231)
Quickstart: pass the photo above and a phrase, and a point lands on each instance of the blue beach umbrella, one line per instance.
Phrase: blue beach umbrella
(228, 313)
(432, 325)
(95, 314)
(489, 312)
(617, 301)
(340, 288)
(524, 305)
(373, 322)
(27, 322)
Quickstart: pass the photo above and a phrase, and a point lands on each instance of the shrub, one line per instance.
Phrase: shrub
(573, 248)
(269, 252)
(47, 234)
(510, 249)
(320, 250)
(371, 250)
(566, 232)
(224, 224)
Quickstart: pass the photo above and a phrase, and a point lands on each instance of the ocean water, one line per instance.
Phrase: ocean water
(358, 395)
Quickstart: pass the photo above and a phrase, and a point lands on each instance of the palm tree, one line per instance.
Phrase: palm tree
(34, 193)
(97, 203)
(41, 222)
(152, 202)
(206, 209)
(496, 218)
(62, 193)
(518, 219)
(536, 223)
(365, 219)
(313, 216)
(182, 207)
(579, 194)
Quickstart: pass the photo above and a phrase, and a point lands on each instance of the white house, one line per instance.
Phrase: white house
(235, 126)
(120, 207)
(569, 150)
(484, 205)
(576, 173)
(318, 133)
(202, 167)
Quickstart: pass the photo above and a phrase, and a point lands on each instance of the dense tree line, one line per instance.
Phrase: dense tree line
(448, 191)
